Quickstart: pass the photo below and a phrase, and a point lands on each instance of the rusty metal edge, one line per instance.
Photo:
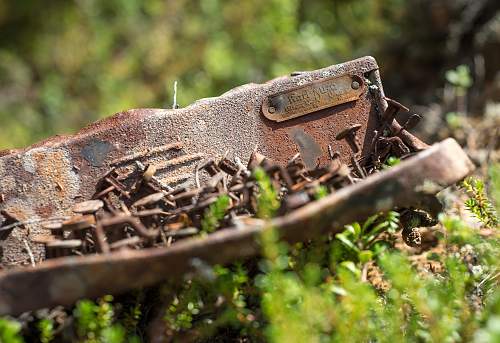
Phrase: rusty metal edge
(64, 281)
(363, 64)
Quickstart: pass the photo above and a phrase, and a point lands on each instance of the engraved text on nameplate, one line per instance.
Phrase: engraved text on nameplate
(312, 97)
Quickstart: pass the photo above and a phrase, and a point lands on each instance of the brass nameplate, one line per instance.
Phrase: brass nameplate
(312, 97)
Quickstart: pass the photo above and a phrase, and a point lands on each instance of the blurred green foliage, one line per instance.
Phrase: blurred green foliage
(460, 78)
(214, 214)
(10, 331)
(46, 328)
(64, 64)
(268, 201)
(318, 291)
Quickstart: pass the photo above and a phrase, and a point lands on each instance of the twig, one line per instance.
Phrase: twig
(364, 273)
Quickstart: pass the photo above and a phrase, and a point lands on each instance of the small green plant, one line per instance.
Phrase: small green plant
(93, 318)
(214, 214)
(454, 120)
(331, 304)
(95, 323)
(113, 334)
(391, 162)
(133, 314)
(320, 192)
(478, 203)
(10, 331)
(363, 240)
(460, 78)
(46, 328)
(179, 314)
(268, 202)
(202, 306)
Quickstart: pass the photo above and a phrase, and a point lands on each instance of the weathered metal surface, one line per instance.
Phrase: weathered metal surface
(63, 281)
(312, 97)
(48, 178)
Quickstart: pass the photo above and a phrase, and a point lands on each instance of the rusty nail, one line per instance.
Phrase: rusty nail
(126, 242)
(355, 85)
(151, 212)
(118, 186)
(132, 221)
(228, 166)
(79, 223)
(58, 248)
(88, 207)
(149, 200)
(257, 159)
(357, 167)
(100, 239)
(412, 121)
(149, 173)
(189, 231)
(393, 108)
(42, 238)
(349, 134)
(54, 227)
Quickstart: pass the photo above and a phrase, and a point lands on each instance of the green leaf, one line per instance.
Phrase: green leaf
(369, 222)
(351, 266)
(338, 290)
(365, 256)
(346, 242)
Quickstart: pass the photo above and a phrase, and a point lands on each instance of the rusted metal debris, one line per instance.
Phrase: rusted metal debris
(63, 281)
(48, 178)
(128, 193)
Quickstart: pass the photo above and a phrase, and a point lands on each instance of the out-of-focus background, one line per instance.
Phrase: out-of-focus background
(64, 64)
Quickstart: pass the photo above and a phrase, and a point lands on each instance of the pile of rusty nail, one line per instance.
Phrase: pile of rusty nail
(133, 210)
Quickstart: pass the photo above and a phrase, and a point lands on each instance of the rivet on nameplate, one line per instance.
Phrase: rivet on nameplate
(312, 97)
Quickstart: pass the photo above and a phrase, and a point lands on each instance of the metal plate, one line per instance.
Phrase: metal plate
(312, 97)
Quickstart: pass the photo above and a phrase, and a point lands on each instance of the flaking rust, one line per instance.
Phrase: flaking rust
(48, 178)
(128, 192)
(62, 281)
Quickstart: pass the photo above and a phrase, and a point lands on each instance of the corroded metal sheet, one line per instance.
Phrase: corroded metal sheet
(312, 97)
(63, 281)
(48, 178)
